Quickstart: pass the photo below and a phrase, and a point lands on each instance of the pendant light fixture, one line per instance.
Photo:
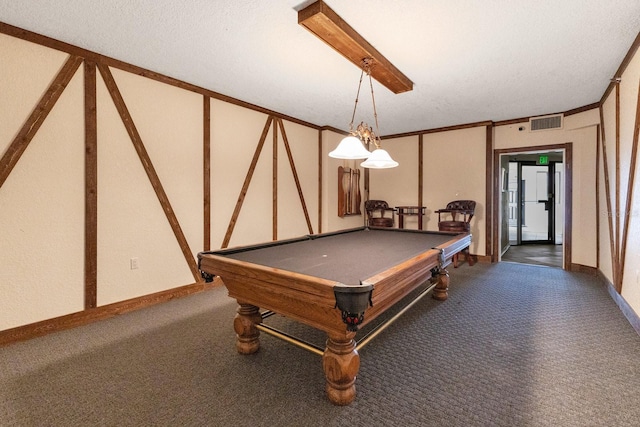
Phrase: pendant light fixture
(353, 146)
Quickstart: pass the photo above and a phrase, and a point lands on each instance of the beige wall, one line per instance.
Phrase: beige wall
(455, 169)
(131, 221)
(627, 113)
(42, 202)
(445, 155)
(398, 186)
(581, 131)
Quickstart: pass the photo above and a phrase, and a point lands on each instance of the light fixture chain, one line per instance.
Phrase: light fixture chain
(353, 146)
(375, 113)
(355, 106)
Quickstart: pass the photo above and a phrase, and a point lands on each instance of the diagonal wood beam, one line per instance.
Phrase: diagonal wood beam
(322, 21)
(617, 195)
(295, 176)
(247, 181)
(127, 120)
(632, 177)
(607, 189)
(37, 117)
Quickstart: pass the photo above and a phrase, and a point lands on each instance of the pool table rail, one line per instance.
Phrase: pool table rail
(307, 299)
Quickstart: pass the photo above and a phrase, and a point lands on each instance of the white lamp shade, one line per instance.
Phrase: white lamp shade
(350, 148)
(379, 159)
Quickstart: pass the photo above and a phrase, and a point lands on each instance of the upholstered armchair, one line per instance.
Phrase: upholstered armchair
(456, 217)
(379, 214)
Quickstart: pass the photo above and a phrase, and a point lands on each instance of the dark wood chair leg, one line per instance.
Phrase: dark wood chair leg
(469, 258)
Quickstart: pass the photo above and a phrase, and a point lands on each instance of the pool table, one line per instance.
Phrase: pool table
(336, 282)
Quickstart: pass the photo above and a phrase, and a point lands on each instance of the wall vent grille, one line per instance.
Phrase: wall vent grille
(545, 122)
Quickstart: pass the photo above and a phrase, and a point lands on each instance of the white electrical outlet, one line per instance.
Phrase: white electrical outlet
(134, 263)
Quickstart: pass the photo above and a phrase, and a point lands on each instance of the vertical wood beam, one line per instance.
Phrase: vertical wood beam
(206, 171)
(274, 191)
(295, 175)
(247, 181)
(568, 205)
(490, 206)
(598, 143)
(320, 189)
(130, 126)
(37, 117)
(91, 187)
(420, 170)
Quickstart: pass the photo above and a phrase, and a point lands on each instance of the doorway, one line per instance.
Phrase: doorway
(533, 207)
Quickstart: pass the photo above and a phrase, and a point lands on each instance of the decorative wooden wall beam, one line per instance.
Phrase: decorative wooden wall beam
(206, 171)
(115, 63)
(438, 130)
(495, 205)
(607, 189)
(597, 197)
(489, 189)
(295, 175)
(320, 156)
(274, 190)
(37, 117)
(621, 69)
(568, 205)
(91, 188)
(617, 195)
(420, 170)
(630, 186)
(247, 181)
(127, 120)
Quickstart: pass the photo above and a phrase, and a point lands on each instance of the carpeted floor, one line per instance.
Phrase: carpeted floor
(514, 345)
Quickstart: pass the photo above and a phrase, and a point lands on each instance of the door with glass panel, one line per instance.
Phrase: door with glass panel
(535, 208)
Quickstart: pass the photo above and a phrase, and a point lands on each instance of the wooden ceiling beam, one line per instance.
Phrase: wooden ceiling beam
(322, 21)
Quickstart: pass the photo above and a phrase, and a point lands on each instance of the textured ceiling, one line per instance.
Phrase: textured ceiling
(469, 60)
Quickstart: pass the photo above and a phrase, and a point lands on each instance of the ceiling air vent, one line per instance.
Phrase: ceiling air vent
(545, 122)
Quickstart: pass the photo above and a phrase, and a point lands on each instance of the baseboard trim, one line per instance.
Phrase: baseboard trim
(579, 268)
(26, 332)
(625, 308)
(483, 258)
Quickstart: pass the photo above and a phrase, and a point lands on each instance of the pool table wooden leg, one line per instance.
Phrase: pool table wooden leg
(247, 335)
(341, 363)
(441, 277)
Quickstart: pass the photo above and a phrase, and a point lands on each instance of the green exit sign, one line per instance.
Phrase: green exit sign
(543, 160)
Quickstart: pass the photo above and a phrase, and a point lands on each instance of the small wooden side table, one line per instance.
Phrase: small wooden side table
(410, 211)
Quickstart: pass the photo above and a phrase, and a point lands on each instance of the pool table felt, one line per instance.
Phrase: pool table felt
(347, 258)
